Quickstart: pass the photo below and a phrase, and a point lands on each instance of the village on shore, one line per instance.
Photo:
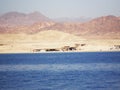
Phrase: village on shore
(44, 48)
(75, 48)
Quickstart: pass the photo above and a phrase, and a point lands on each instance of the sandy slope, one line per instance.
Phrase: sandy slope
(45, 39)
(16, 43)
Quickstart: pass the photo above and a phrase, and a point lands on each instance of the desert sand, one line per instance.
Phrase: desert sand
(51, 39)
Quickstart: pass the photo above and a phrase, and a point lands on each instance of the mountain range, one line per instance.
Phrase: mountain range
(101, 27)
(18, 19)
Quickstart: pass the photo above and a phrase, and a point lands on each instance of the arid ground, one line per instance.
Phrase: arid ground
(34, 32)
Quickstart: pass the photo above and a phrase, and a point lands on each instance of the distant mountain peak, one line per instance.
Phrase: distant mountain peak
(110, 16)
(107, 17)
(16, 18)
(36, 14)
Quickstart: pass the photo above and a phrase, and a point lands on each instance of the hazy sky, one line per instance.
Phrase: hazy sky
(63, 8)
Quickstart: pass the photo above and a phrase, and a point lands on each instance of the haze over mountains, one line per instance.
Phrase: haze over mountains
(66, 19)
(16, 18)
(101, 27)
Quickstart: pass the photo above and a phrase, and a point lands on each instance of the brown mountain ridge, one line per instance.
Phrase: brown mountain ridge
(18, 19)
(101, 27)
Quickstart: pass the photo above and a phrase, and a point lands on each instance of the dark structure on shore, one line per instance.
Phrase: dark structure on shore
(77, 47)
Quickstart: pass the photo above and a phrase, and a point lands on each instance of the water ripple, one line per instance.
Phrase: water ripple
(62, 67)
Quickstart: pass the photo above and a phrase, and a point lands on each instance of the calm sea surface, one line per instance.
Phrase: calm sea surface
(60, 71)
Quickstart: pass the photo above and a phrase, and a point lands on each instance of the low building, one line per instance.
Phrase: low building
(76, 47)
(117, 47)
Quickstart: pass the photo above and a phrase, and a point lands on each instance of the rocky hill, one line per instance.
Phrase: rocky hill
(18, 19)
(101, 27)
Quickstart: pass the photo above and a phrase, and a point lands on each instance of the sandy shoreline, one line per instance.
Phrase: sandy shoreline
(51, 40)
(98, 46)
(59, 52)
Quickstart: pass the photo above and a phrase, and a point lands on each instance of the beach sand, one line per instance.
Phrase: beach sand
(23, 43)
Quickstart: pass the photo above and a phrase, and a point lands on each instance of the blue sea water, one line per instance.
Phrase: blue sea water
(60, 71)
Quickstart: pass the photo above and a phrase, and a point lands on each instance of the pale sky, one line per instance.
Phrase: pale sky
(63, 8)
